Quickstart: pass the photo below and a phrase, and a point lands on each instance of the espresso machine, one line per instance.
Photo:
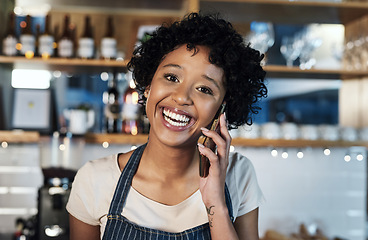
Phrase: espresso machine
(52, 218)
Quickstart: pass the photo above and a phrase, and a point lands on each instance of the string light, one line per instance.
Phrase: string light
(284, 154)
(105, 144)
(300, 154)
(327, 152)
(347, 158)
(4, 144)
(360, 157)
(274, 153)
(356, 153)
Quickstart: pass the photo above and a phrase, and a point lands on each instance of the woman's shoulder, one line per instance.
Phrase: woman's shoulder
(239, 161)
(100, 164)
(241, 180)
(111, 163)
(93, 172)
(240, 171)
(93, 188)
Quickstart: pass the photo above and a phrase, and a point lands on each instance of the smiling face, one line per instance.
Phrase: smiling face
(185, 94)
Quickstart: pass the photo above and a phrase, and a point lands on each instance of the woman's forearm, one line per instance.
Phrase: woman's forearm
(220, 223)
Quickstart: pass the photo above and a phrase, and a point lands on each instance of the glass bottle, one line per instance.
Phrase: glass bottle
(112, 120)
(56, 38)
(27, 39)
(10, 40)
(37, 37)
(46, 41)
(86, 43)
(65, 44)
(108, 42)
(131, 113)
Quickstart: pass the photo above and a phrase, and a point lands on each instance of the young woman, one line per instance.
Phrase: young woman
(184, 73)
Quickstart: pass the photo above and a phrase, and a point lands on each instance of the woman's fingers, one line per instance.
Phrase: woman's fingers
(215, 167)
(222, 141)
(223, 128)
(223, 151)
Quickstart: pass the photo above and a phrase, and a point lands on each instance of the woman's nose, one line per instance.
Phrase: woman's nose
(182, 95)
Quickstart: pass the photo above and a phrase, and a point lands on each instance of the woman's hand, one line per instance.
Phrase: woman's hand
(212, 187)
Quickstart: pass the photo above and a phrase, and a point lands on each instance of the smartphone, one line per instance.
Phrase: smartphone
(204, 163)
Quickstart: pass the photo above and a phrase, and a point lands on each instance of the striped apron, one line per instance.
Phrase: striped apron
(119, 227)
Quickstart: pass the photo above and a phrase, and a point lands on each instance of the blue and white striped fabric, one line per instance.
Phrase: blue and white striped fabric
(118, 227)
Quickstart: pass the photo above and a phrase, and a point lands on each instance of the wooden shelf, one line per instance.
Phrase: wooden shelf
(64, 64)
(140, 139)
(278, 71)
(99, 138)
(97, 66)
(117, 138)
(18, 136)
(300, 143)
(287, 12)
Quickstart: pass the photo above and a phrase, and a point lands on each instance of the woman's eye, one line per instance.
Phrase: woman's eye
(205, 90)
(171, 77)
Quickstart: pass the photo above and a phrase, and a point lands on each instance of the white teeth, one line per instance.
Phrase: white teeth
(177, 124)
(175, 119)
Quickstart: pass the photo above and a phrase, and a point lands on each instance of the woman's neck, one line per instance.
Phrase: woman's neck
(167, 174)
(170, 161)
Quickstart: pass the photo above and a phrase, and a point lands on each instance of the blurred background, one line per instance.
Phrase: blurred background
(66, 98)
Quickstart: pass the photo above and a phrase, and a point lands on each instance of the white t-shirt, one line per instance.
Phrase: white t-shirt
(94, 186)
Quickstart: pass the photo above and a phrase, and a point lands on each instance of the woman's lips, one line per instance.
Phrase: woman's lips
(175, 119)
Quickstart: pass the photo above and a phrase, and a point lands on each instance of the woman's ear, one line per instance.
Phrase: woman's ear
(146, 92)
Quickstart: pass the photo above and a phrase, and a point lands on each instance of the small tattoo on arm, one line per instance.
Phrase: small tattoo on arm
(209, 210)
(210, 213)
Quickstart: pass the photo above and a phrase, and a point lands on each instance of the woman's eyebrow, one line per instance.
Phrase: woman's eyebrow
(172, 65)
(211, 80)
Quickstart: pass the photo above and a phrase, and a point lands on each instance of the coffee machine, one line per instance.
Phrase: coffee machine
(52, 218)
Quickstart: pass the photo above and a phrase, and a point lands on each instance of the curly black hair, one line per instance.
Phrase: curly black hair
(241, 63)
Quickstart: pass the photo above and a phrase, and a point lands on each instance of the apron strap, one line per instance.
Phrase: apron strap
(125, 181)
(229, 203)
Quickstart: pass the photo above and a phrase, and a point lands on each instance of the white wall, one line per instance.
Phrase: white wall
(317, 190)
(20, 178)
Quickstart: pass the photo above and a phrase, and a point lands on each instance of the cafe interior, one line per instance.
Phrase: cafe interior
(308, 144)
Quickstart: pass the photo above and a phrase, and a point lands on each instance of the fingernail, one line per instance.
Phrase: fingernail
(204, 129)
(226, 121)
(200, 145)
